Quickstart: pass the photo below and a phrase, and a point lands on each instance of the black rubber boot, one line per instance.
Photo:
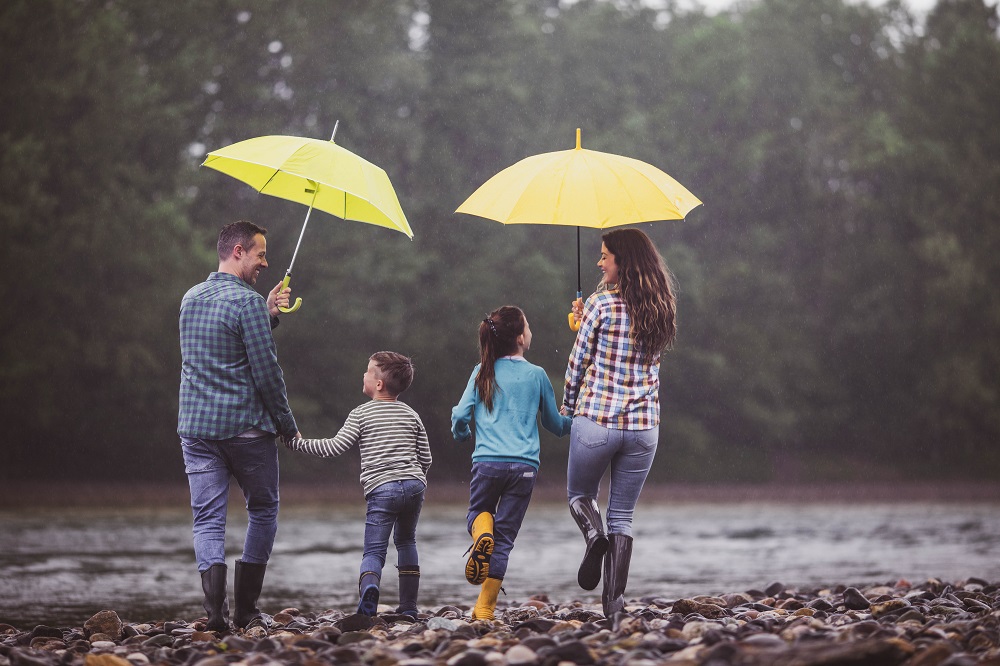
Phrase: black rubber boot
(616, 574)
(409, 584)
(588, 518)
(249, 579)
(368, 591)
(213, 582)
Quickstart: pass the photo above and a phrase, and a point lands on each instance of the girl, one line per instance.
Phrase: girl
(612, 387)
(505, 394)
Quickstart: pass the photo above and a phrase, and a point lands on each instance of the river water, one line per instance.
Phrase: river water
(60, 567)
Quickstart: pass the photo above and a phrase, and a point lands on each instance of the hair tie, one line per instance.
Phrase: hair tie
(493, 326)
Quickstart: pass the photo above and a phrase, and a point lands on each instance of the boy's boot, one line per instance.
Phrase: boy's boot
(409, 583)
(588, 518)
(478, 566)
(487, 601)
(368, 590)
(616, 574)
(213, 582)
(249, 579)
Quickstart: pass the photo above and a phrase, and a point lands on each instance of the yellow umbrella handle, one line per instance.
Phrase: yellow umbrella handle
(298, 301)
(574, 323)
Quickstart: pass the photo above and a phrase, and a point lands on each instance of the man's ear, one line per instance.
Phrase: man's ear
(238, 251)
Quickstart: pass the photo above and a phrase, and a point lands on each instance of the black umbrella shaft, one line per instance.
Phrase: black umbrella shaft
(579, 280)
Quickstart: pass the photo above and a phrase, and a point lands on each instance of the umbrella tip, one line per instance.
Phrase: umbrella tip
(334, 129)
(578, 138)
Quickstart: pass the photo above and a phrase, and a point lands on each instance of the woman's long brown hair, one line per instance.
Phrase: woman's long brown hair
(497, 338)
(646, 286)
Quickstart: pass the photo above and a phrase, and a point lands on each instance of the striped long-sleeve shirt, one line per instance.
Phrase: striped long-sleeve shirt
(606, 378)
(390, 436)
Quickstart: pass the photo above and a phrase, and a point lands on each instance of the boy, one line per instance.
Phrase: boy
(395, 457)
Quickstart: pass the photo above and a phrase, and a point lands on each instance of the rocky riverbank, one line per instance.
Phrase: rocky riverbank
(928, 624)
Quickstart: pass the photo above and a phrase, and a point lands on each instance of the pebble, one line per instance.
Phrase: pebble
(902, 623)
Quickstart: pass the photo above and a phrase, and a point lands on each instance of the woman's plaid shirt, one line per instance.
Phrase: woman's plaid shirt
(606, 379)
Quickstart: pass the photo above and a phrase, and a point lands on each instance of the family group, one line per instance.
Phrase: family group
(234, 410)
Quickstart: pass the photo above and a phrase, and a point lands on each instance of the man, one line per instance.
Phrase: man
(232, 405)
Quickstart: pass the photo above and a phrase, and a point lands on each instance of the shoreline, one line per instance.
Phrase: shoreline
(899, 624)
(99, 494)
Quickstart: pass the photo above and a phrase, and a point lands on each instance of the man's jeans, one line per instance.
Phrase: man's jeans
(394, 507)
(503, 489)
(254, 464)
(592, 448)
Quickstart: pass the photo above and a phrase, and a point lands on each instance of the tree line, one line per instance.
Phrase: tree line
(838, 314)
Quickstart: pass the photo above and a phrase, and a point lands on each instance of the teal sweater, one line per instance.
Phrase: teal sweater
(510, 432)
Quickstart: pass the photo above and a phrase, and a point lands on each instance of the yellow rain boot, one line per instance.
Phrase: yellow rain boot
(487, 601)
(478, 566)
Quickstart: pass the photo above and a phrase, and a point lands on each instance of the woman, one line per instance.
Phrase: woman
(612, 387)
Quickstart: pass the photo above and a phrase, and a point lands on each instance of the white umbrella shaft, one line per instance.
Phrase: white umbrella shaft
(303, 232)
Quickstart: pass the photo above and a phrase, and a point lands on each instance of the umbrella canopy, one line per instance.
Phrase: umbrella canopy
(319, 174)
(580, 188)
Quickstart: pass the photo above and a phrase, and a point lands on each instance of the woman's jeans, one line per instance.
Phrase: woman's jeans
(503, 489)
(592, 448)
(393, 507)
(209, 465)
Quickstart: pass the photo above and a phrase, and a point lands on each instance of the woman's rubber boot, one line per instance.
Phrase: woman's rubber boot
(616, 573)
(368, 591)
(409, 584)
(248, 581)
(478, 566)
(487, 601)
(588, 518)
(213, 582)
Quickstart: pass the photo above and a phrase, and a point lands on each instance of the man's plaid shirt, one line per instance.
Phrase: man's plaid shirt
(230, 378)
(606, 379)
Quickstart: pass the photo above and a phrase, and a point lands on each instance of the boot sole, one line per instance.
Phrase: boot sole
(589, 575)
(369, 601)
(478, 566)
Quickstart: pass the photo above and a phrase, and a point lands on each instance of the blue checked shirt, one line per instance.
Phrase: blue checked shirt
(230, 378)
(606, 379)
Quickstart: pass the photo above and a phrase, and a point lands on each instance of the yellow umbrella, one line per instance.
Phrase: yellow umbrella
(316, 173)
(581, 188)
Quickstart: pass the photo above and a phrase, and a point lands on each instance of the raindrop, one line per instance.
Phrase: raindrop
(286, 61)
(196, 149)
(796, 123)
(243, 17)
(274, 47)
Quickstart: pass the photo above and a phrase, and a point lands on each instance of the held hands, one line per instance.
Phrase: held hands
(279, 297)
(285, 439)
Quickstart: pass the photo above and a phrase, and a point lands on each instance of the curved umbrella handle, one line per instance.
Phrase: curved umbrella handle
(298, 301)
(574, 323)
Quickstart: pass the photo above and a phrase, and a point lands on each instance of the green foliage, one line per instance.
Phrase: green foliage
(837, 310)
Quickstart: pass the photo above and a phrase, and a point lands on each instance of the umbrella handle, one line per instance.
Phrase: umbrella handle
(574, 323)
(298, 301)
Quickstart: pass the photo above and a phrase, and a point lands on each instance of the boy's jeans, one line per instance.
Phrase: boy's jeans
(592, 448)
(503, 489)
(209, 464)
(393, 507)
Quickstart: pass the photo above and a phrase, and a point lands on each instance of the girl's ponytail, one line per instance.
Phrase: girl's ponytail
(497, 338)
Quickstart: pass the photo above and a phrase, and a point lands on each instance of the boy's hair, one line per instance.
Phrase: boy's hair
(242, 233)
(395, 369)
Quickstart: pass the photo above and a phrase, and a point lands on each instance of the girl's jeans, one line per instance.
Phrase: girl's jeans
(393, 507)
(592, 448)
(209, 465)
(503, 489)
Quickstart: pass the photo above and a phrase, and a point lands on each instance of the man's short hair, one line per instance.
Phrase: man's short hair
(395, 369)
(242, 233)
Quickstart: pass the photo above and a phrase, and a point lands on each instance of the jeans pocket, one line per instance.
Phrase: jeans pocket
(199, 457)
(647, 439)
(588, 433)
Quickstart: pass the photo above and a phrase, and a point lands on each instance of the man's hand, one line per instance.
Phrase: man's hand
(278, 298)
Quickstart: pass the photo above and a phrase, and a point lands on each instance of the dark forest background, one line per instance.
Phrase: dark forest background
(838, 305)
